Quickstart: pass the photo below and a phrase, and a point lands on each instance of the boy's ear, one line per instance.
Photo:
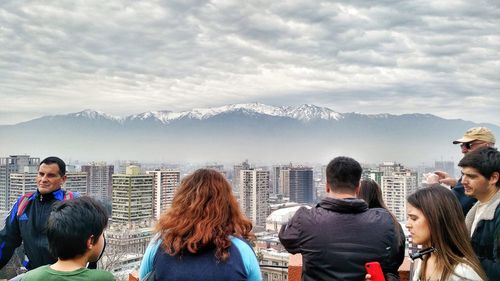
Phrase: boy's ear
(90, 242)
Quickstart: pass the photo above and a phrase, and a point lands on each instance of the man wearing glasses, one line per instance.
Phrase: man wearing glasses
(473, 139)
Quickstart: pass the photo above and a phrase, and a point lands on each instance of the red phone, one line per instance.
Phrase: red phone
(373, 268)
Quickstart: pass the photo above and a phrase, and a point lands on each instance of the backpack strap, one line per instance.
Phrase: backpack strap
(24, 200)
(23, 203)
(69, 195)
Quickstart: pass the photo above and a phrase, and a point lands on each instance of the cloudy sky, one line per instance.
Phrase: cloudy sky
(126, 57)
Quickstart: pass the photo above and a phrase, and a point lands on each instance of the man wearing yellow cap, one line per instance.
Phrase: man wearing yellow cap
(473, 139)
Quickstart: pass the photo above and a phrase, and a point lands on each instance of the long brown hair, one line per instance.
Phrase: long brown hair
(204, 212)
(449, 234)
(370, 191)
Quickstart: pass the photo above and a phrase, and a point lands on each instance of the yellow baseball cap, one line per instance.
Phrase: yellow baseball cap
(477, 133)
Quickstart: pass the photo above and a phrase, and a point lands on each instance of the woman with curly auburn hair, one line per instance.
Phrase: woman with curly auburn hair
(203, 235)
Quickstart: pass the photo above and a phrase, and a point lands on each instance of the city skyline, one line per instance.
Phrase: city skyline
(394, 57)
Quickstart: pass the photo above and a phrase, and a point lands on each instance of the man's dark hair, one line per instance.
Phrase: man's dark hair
(486, 160)
(343, 173)
(55, 160)
(72, 223)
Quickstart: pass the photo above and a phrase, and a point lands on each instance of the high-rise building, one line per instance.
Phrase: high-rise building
(99, 180)
(323, 174)
(21, 183)
(128, 239)
(276, 178)
(373, 174)
(236, 175)
(122, 165)
(446, 166)
(254, 195)
(132, 200)
(165, 183)
(395, 189)
(284, 183)
(387, 168)
(76, 182)
(301, 184)
(13, 164)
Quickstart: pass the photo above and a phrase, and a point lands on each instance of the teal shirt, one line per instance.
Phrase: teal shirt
(46, 273)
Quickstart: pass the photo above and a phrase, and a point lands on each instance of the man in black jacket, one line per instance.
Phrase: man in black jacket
(341, 234)
(28, 217)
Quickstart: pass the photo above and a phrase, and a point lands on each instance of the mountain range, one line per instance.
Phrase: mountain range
(232, 133)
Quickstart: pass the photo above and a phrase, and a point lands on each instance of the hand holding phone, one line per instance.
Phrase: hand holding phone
(373, 268)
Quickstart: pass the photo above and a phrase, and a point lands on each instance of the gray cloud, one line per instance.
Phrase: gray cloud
(124, 57)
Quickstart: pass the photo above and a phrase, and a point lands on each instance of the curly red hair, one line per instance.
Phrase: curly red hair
(204, 212)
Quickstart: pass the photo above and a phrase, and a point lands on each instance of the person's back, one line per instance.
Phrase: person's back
(46, 273)
(202, 236)
(338, 237)
(341, 234)
(204, 265)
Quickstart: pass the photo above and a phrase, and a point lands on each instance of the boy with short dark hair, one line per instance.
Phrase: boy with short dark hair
(75, 234)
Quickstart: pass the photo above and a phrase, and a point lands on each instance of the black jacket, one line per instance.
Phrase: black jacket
(486, 237)
(338, 236)
(29, 228)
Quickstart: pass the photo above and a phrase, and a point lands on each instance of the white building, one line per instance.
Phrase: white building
(284, 182)
(274, 264)
(132, 196)
(236, 176)
(395, 190)
(165, 183)
(14, 164)
(76, 182)
(254, 195)
(128, 239)
(21, 183)
(281, 216)
(99, 180)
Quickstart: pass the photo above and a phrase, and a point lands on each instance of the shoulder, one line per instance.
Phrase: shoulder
(248, 258)
(463, 270)
(100, 275)
(36, 274)
(242, 245)
(378, 214)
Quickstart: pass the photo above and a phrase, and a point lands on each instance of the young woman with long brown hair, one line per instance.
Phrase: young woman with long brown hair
(203, 235)
(370, 191)
(435, 219)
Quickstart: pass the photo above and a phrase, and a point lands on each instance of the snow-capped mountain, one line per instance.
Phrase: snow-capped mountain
(93, 114)
(239, 131)
(303, 113)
